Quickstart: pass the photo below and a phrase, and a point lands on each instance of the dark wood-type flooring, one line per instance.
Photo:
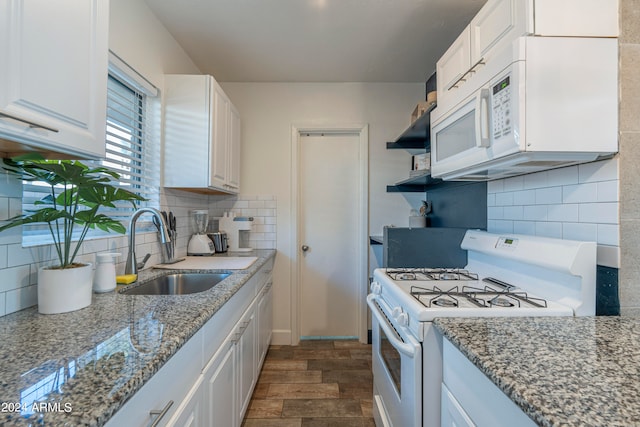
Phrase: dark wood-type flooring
(316, 384)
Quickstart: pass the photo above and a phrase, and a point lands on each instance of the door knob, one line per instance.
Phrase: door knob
(305, 248)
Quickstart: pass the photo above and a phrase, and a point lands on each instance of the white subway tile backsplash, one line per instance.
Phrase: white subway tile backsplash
(535, 180)
(14, 278)
(608, 191)
(3, 256)
(495, 212)
(525, 197)
(524, 227)
(504, 199)
(582, 193)
(549, 195)
(599, 213)
(18, 299)
(513, 212)
(577, 202)
(563, 176)
(514, 184)
(17, 255)
(535, 213)
(580, 231)
(4, 208)
(565, 213)
(257, 204)
(549, 229)
(500, 226)
(606, 170)
(609, 234)
(15, 207)
(496, 186)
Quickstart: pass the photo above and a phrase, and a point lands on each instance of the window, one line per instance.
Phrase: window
(132, 146)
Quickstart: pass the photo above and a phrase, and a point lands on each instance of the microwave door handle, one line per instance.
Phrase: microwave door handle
(483, 119)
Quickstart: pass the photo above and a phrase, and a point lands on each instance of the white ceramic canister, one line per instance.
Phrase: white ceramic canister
(105, 278)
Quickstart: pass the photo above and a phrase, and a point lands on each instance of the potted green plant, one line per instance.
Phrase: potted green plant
(77, 192)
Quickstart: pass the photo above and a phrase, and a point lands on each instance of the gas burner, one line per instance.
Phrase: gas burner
(430, 274)
(445, 301)
(500, 301)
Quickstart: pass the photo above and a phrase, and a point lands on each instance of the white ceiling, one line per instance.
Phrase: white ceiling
(315, 40)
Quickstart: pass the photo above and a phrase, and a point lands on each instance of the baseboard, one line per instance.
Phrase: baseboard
(281, 337)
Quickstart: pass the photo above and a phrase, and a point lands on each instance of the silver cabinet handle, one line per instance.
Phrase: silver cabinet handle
(305, 248)
(462, 77)
(30, 123)
(160, 414)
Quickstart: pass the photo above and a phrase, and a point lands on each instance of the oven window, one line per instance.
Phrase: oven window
(391, 359)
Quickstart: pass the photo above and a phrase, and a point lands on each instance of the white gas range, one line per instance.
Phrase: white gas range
(506, 275)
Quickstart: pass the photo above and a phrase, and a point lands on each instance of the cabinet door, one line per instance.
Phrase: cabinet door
(53, 74)
(265, 315)
(452, 414)
(219, 135)
(234, 150)
(498, 22)
(453, 65)
(220, 401)
(190, 411)
(247, 360)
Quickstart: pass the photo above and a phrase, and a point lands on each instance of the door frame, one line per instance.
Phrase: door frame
(362, 132)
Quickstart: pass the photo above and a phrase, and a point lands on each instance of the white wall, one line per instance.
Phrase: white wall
(268, 111)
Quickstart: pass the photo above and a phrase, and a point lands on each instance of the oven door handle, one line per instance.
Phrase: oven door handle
(408, 349)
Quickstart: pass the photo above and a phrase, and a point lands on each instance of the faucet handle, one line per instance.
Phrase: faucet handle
(141, 264)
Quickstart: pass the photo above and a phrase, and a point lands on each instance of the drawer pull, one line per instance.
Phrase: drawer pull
(30, 123)
(160, 414)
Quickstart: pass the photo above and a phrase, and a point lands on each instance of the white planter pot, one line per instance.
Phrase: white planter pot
(64, 290)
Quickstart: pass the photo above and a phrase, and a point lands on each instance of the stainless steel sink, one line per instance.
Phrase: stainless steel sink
(177, 284)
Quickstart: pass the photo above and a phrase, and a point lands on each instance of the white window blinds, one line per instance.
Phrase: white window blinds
(132, 147)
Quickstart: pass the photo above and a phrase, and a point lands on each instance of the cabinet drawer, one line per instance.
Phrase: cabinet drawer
(171, 383)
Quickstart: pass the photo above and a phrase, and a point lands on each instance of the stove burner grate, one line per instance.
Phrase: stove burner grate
(429, 274)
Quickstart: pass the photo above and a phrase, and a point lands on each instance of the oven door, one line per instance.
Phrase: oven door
(397, 368)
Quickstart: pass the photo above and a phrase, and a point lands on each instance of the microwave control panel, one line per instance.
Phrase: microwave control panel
(501, 106)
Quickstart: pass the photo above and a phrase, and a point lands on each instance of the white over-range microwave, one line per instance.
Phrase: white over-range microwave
(542, 103)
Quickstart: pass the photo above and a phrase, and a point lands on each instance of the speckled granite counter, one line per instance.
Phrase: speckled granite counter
(87, 363)
(559, 371)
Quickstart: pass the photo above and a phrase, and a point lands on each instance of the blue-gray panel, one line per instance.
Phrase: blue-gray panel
(423, 247)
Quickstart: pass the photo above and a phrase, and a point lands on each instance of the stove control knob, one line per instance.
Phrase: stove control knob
(402, 319)
(397, 311)
(376, 289)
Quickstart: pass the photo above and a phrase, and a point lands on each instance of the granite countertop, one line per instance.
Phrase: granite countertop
(561, 371)
(86, 364)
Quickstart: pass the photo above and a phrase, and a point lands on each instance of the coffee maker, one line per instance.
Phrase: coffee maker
(238, 229)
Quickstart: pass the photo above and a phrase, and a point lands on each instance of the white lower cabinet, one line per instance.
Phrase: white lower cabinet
(190, 411)
(247, 360)
(452, 414)
(220, 402)
(470, 399)
(210, 380)
(265, 322)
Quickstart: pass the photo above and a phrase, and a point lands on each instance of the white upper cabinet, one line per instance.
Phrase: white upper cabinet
(202, 136)
(53, 77)
(500, 22)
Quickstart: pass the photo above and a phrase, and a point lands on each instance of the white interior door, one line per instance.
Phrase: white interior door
(329, 234)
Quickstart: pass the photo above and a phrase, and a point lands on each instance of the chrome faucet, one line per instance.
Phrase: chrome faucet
(131, 267)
